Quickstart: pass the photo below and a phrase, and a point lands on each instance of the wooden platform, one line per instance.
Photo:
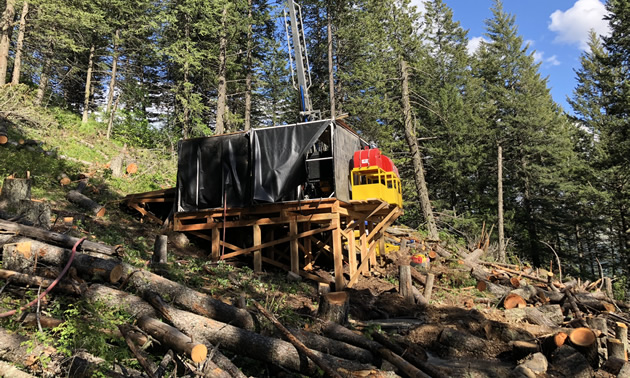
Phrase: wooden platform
(293, 235)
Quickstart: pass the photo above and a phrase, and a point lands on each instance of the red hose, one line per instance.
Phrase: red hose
(63, 272)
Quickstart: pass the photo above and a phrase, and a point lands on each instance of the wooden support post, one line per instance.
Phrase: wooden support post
(405, 284)
(364, 247)
(372, 257)
(308, 249)
(215, 244)
(340, 282)
(352, 253)
(257, 253)
(295, 251)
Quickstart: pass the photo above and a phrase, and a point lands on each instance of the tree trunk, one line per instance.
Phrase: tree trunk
(333, 347)
(331, 76)
(56, 238)
(43, 80)
(502, 256)
(222, 89)
(17, 62)
(85, 202)
(250, 68)
(173, 338)
(6, 29)
(250, 344)
(405, 284)
(110, 122)
(112, 80)
(88, 86)
(23, 254)
(418, 168)
(16, 189)
(160, 249)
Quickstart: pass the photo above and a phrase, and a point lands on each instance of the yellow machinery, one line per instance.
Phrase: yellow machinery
(375, 176)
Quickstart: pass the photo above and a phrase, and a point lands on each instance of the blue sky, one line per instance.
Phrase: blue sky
(556, 30)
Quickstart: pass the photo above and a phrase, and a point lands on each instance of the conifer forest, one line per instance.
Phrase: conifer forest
(152, 72)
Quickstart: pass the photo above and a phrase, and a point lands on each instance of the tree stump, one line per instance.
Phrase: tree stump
(404, 283)
(615, 348)
(116, 165)
(514, 301)
(334, 307)
(584, 341)
(4, 137)
(15, 189)
(160, 250)
(428, 288)
(621, 332)
(36, 213)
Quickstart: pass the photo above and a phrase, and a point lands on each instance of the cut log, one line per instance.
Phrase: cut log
(418, 297)
(56, 238)
(333, 347)
(341, 333)
(560, 338)
(23, 253)
(132, 168)
(526, 292)
(481, 286)
(404, 283)
(522, 349)
(532, 315)
(417, 357)
(515, 282)
(463, 343)
(249, 344)
(36, 213)
(116, 165)
(63, 179)
(85, 202)
(615, 366)
(584, 341)
(621, 333)
(4, 136)
(35, 281)
(571, 363)
(160, 249)
(173, 338)
(514, 301)
(145, 283)
(615, 349)
(334, 307)
(428, 288)
(147, 365)
(298, 344)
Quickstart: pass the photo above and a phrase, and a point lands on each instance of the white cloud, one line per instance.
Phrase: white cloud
(547, 62)
(419, 4)
(473, 44)
(572, 26)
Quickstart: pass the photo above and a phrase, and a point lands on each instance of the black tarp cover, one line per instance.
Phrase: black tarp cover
(261, 166)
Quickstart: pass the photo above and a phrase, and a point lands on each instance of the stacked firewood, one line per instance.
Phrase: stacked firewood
(194, 327)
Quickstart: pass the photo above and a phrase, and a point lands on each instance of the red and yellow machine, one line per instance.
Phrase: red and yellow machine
(375, 176)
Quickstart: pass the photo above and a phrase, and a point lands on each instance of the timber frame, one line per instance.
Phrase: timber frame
(307, 229)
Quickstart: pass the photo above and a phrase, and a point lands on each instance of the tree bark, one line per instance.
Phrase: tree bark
(249, 344)
(502, 256)
(112, 80)
(405, 284)
(43, 79)
(416, 155)
(222, 88)
(56, 238)
(250, 69)
(88, 86)
(85, 202)
(334, 307)
(17, 62)
(160, 249)
(333, 347)
(110, 122)
(6, 29)
(30, 280)
(331, 75)
(23, 259)
(173, 338)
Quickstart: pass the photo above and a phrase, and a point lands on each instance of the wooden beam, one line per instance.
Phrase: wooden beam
(340, 282)
(372, 257)
(295, 252)
(352, 253)
(215, 244)
(257, 252)
(308, 247)
(363, 244)
(391, 217)
(355, 276)
(279, 241)
(247, 222)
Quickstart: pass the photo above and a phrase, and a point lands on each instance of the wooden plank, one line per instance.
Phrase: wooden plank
(279, 241)
(295, 253)
(381, 246)
(251, 222)
(340, 282)
(390, 218)
(257, 252)
(363, 244)
(372, 258)
(228, 245)
(354, 278)
(308, 248)
(215, 244)
(352, 253)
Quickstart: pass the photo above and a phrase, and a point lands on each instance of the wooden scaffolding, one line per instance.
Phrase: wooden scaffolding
(291, 235)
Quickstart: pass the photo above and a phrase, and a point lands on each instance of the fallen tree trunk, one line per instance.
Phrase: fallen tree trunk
(86, 202)
(172, 337)
(341, 333)
(55, 238)
(27, 279)
(253, 345)
(334, 347)
(145, 283)
(32, 251)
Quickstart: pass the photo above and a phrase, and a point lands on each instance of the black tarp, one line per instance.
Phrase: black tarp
(264, 165)
(279, 156)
